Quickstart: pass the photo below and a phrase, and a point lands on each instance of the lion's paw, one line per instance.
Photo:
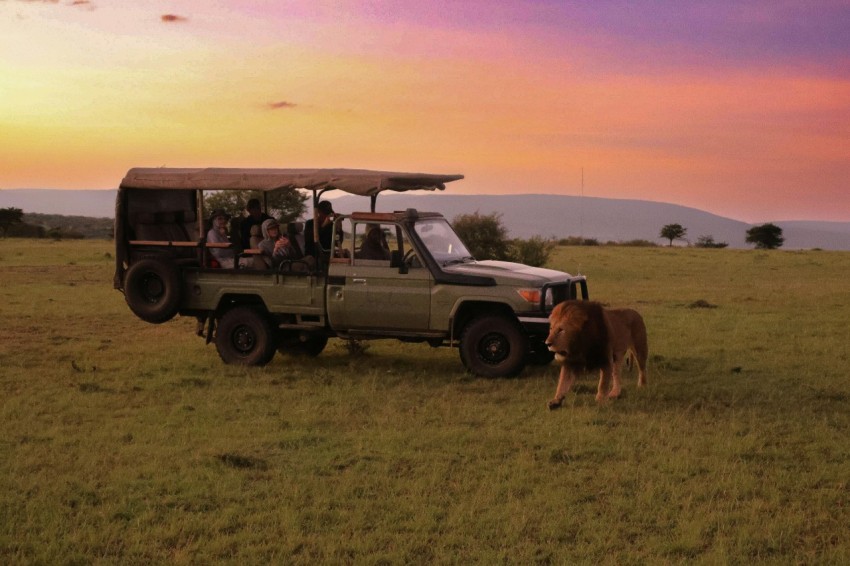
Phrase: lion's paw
(555, 404)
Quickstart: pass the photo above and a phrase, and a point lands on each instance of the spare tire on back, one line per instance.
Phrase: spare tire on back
(152, 290)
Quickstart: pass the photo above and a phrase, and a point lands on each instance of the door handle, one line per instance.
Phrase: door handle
(359, 281)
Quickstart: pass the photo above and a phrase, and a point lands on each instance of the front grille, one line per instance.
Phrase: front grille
(555, 293)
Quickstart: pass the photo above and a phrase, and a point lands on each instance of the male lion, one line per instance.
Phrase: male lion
(585, 336)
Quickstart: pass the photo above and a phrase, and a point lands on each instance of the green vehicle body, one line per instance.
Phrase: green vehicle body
(427, 289)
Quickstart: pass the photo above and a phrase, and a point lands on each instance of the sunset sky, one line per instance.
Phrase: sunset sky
(734, 107)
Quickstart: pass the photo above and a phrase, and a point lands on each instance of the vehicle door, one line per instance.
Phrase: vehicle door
(380, 293)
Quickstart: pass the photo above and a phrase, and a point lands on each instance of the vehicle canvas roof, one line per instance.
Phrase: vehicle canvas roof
(355, 181)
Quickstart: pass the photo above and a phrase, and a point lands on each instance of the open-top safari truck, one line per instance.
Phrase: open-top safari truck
(428, 288)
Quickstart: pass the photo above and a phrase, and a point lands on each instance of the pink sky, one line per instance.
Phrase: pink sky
(737, 108)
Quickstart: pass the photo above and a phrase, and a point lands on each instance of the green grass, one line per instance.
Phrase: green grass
(124, 442)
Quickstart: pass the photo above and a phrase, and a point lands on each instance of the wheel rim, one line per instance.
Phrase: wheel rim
(493, 348)
(243, 339)
(152, 287)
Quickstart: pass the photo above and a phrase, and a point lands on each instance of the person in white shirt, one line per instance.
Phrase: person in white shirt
(218, 235)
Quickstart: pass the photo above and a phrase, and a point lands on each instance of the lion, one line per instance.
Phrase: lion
(585, 336)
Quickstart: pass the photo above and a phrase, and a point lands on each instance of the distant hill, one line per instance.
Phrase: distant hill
(562, 216)
(556, 216)
(98, 204)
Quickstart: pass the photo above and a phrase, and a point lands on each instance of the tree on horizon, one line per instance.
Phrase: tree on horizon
(765, 236)
(9, 217)
(673, 232)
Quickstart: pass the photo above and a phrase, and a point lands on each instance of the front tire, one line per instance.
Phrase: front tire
(244, 337)
(493, 346)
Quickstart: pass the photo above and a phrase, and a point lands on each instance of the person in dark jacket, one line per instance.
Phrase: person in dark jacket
(255, 217)
(325, 222)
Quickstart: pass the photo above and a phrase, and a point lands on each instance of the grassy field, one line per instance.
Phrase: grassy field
(125, 442)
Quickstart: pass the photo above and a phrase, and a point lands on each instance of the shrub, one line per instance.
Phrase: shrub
(534, 251)
(634, 244)
(484, 235)
(578, 241)
(708, 242)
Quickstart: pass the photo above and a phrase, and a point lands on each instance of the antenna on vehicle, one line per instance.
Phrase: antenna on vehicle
(581, 213)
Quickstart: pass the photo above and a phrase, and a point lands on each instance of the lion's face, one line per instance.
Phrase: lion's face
(565, 324)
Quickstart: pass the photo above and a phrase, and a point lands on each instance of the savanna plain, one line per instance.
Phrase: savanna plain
(126, 442)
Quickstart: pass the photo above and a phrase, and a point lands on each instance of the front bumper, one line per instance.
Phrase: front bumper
(537, 325)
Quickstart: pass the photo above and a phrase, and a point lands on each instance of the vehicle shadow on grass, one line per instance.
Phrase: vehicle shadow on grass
(336, 364)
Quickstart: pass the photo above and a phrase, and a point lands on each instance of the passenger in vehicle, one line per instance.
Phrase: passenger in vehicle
(374, 245)
(256, 236)
(217, 234)
(255, 217)
(325, 221)
(295, 231)
(275, 246)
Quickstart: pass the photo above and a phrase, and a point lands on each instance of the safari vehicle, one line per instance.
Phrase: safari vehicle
(426, 287)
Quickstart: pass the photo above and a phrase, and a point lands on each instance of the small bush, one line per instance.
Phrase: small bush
(534, 251)
(484, 235)
(578, 241)
(708, 242)
(635, 244)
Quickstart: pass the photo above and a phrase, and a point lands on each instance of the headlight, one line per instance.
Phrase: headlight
(530, 295)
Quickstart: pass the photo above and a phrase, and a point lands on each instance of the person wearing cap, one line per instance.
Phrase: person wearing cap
(275, 246)
(217, 234)
(324, 220)
(255, 217)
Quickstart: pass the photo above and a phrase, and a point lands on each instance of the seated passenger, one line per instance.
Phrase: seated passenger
(275, 246)
(217, 234)
(295, 231)
(256, 237)
(255, 217)
(374, 245)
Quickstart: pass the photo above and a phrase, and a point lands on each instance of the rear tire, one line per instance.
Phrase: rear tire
(244, 337)
(493, 346)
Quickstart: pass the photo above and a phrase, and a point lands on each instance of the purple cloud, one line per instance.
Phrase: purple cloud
(282, 105)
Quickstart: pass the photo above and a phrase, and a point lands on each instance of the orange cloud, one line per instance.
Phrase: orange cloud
(169, 18)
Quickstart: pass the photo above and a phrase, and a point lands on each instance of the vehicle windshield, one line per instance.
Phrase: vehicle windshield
(442, 241)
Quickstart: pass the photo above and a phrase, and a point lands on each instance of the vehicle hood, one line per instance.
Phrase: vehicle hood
(506, 272)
